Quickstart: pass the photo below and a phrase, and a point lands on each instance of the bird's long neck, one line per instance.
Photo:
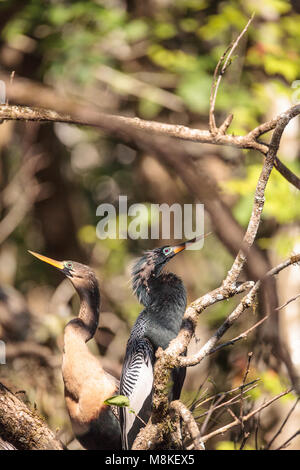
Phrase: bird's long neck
(162, 293)
(85, 325)
(167, 300)
(164, 309)
(145, 272)
(89, 311)
(76, 356)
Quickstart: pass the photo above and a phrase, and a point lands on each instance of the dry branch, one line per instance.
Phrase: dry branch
(236, 420)
(259, 198)
(189, 422)
(222, 65)
(282, 425)
(22, 427)
(91, 117)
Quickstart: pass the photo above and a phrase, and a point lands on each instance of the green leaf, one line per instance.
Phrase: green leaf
(117, 400)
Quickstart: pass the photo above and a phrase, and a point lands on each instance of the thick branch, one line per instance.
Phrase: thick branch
(23, 428)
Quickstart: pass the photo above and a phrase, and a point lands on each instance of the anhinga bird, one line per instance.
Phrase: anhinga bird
(87, 385)
(164, 298)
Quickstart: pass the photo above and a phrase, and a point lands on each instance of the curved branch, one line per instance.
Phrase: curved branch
(90, 117)
(259, 198)
(189, 421)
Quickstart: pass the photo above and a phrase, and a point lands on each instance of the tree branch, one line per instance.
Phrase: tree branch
(189, 421)
(236, 421)
(220, 69)
(90, 117)
(23, 428)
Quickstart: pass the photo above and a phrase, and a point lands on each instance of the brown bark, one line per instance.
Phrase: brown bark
(23, 428)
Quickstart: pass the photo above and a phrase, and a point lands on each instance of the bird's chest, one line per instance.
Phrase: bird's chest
(86, 389)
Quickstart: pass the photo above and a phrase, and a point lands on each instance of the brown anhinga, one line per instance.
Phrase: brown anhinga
(87, 384)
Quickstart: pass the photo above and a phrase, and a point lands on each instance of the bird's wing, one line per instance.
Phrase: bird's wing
(136, 384)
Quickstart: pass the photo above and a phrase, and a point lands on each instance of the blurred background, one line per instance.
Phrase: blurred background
(155, 60)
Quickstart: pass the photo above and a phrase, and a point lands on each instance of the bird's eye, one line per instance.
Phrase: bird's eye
(167, 251)
(69, 265)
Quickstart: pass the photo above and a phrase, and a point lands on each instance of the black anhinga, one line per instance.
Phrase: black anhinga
(87, 384)
(164, 298)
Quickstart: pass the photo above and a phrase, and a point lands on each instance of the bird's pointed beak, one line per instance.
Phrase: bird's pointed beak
(184, 245)
(53, 262)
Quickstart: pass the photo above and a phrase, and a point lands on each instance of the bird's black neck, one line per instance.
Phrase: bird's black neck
(164, 297)
(144, 277)
(166, 309)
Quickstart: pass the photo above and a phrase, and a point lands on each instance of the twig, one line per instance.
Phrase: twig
(201, 403)
(209, 413)
(282, 425)
(218, 74)
(239, 337)
(245, 438)
(236, 421)
(288, 302)
(242, 391)
(289, 440)
(232, 318)
(256, 430)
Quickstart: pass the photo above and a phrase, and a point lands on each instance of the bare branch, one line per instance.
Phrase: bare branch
(259, 198)
(221, 68)
(23, 428)
(90, 117)
(288, 302)
(232, 318)
(210, 344)
(282, 425)
(242, 391)
(189, 421)
(285, 444)
(231, 401)
(236, 421)
(251, 385)
(239, 337)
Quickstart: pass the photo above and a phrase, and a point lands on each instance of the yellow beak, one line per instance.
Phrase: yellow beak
(183, 246)
(53, 262)
(179, 248)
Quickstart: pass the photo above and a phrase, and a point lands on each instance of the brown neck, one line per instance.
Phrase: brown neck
(85, 325)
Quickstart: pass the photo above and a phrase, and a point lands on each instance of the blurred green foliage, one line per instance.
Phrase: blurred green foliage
(282, 200)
